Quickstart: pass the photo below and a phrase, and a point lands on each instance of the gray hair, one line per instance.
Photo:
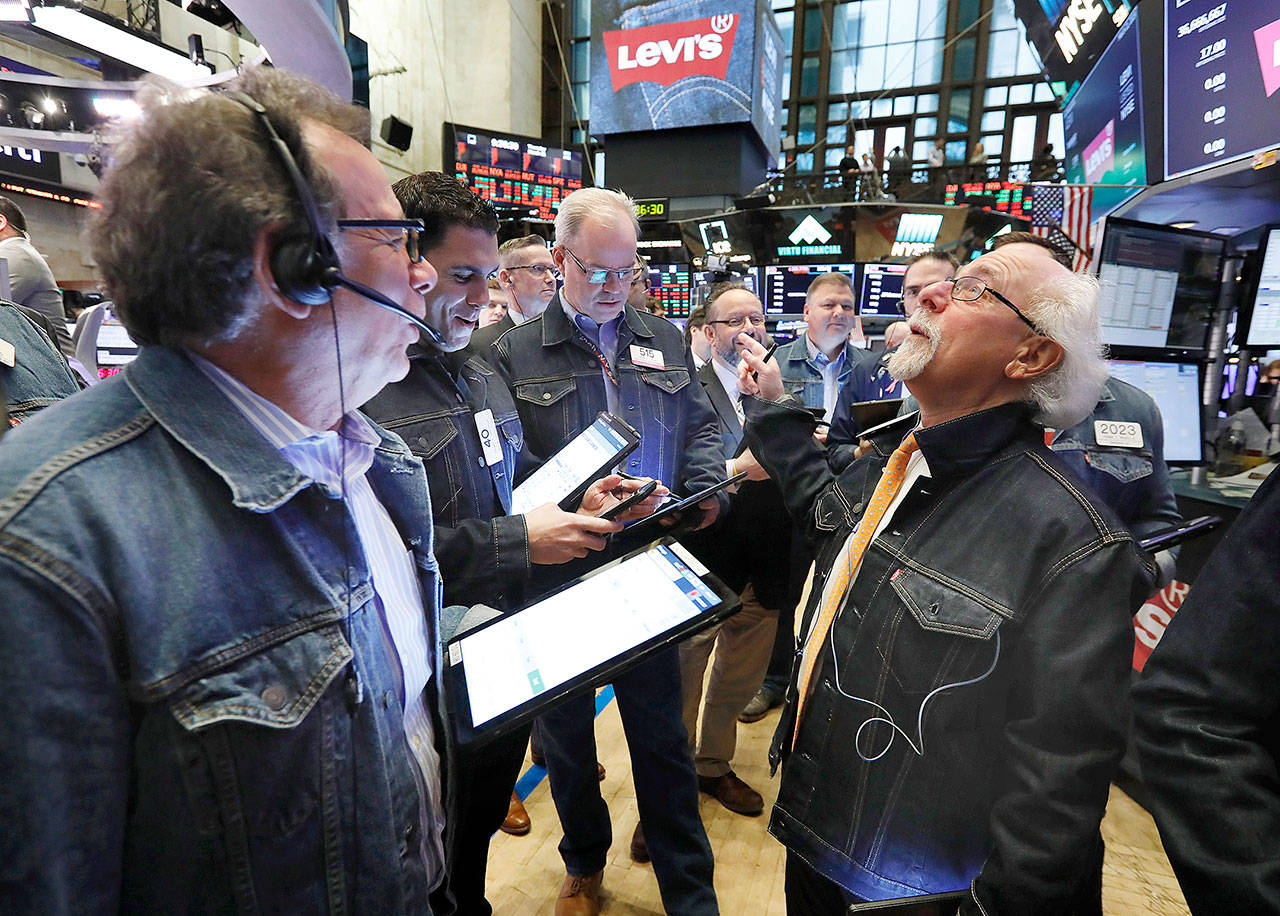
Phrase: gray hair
(192, 184)
(1065, 309)
(508, 250)
(832, 279)
(587, 202)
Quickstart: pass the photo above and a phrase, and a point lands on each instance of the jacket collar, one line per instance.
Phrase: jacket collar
(961, 446)
(557, 328)
(187, 404)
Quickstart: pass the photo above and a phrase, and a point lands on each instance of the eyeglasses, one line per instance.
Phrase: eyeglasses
(411, 238)
(738, 322)
(969, 289)
(598, 275)
(537, 270)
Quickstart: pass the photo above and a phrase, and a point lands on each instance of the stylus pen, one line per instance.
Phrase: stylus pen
(768, 354)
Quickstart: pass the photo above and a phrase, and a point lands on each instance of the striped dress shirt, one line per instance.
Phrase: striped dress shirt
(338, 461)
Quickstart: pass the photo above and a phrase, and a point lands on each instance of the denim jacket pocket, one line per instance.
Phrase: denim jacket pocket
(1124, 468)
(427, 438)
(941, 634)
(831, 510)
(667, 380)
(276, 687)
(546, 393)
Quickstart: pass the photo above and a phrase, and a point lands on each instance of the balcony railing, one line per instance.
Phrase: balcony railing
(917, 184)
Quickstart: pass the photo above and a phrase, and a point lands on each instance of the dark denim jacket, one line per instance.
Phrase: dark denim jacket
(39, 376)
(483, 552)
(1000, 580)
(802, 376)
(179, 731)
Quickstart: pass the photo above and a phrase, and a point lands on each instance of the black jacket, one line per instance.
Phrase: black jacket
(1207, 722)
(979, 708)
(482, 551)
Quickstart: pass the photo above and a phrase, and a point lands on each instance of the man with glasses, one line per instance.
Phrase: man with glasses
(529, 276)
(444, 409)
(735, 551)
(817, 363)
(590, 352)
(959, 701)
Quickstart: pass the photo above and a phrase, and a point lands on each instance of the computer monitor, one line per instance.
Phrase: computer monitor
(115, 348)
(1175, 386)
(1261, 315)
(510, 170)
(881, 291)
(669, 284)
(786, 284)
(1159, 285)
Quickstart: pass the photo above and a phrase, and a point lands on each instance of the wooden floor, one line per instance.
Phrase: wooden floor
(525, 873)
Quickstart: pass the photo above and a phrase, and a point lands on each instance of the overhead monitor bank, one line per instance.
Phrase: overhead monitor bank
(1103, 121)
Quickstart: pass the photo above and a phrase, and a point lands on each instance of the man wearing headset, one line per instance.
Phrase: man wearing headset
(957, 709)
(219, 639)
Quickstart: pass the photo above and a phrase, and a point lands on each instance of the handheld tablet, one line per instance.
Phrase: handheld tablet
(501, 674)
(922, 905)
(870, 414)
(1171, 537)
(650, 525)
(567, 474)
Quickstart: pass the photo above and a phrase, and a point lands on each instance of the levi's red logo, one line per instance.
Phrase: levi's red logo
(671, 51)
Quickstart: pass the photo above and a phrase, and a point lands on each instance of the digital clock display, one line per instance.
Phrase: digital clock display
(652, 207)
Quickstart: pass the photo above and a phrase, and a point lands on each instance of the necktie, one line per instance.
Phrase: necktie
(847, 562)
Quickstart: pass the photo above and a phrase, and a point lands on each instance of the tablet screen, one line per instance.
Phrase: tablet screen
(567, 634)
(598, 446)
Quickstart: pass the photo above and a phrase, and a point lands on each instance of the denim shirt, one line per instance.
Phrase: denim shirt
(1134, 482)
(483, 551)
(802, 376)
(559, 391)
(39, 376)
(182, 611)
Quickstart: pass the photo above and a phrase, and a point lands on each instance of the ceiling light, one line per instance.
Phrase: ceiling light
(105, 38)
(1185, 224)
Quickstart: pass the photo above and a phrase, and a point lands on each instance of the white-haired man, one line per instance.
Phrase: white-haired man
(959, 702)
(588, 352)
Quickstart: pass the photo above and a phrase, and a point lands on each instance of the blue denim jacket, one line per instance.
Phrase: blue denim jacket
(39, 376)
(802, 376)
(181, 611)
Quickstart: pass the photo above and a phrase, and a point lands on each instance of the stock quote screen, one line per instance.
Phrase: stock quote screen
(671, 285)
(1011, 197)
(512, 171)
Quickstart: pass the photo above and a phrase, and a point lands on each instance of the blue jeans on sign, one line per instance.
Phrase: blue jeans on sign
(666, 791)
(694, 100)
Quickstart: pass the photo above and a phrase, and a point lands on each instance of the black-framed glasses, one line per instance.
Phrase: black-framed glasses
(738, 322)
(537, 270)
(598, 275)
(411, 229)
(970, 289)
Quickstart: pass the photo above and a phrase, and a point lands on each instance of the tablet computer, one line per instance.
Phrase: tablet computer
(921, 905)
(1175, 535)
(872, 413)
(586, 458)
(651, 525)
(504, 672)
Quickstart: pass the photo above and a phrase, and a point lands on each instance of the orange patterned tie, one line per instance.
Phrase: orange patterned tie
(847, 562)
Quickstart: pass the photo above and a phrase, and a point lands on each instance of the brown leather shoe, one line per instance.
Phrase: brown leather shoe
(517, 822)
(599, 771)
(639, 849)
(580, 896)
(733, 793)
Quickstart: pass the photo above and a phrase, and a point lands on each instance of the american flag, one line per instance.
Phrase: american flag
(1060, 213)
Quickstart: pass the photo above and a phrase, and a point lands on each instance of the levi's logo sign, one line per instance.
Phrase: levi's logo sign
(671, 51)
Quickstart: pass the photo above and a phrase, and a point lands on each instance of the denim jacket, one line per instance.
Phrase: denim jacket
(181, 612)
(802, 376)
(968, 707)
(39, 376)
(483, 551)
(559, 391)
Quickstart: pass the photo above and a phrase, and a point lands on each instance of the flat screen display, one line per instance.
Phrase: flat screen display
(1103, 120)
(512, 171)
(1070, 35)
(1159, 285)
(786, 284)
(115, 348)
(670, 285)
(1175, 387)
(598, 446)
(1012, 197)
(881, 291)
(1222, 81)
(1264, 322)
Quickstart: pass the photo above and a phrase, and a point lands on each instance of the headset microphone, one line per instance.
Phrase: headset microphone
(385, 302)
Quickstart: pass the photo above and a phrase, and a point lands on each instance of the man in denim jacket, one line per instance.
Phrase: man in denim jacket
(965, 707)
(220, 633)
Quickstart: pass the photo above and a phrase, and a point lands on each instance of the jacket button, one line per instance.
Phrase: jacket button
(631, 407)
(857, 507)
(275, 697)
(480, 461)
(546, 395)
(387, 699)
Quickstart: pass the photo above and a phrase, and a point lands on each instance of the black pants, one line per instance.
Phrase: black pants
(811, 894)
(485, 778)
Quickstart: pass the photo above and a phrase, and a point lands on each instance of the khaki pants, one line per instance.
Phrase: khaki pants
(742, 645)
